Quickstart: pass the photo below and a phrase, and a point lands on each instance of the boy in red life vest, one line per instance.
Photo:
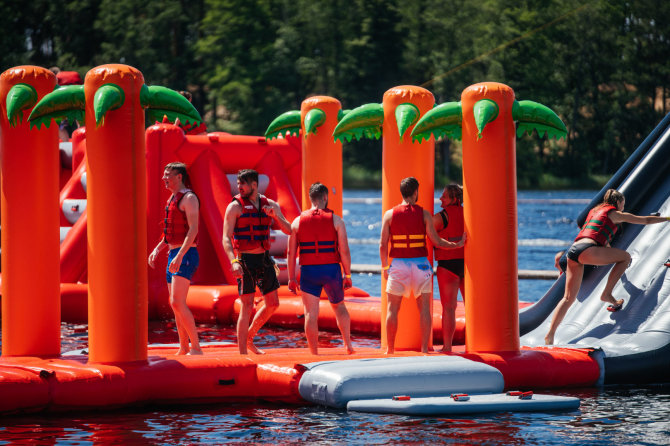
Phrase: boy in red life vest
(246, 240)
(407, 226)
(180, 235)
(322, 239)
(450, 262)
(592, 247)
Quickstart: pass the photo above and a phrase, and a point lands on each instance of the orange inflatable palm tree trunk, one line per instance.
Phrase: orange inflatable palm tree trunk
(113, 99)
(30, 218)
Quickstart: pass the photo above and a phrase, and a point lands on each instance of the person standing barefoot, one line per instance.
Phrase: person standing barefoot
(405, 228)
(450, 271)
(246, 241)
(321, 237)
(180, 234)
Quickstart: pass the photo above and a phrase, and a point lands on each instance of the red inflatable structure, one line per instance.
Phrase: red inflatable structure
(214, 160)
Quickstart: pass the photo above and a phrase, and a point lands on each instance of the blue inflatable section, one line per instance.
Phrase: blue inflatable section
(636, 340)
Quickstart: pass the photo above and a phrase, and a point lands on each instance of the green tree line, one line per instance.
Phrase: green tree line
(601, 65)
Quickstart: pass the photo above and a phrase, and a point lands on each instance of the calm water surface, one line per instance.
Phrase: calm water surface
(610, 415)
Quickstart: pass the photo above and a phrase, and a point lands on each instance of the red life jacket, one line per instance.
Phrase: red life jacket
(175, 223)
(408, 232)
(252, 228)
(598, 226)
(317, 238)
(452, 232)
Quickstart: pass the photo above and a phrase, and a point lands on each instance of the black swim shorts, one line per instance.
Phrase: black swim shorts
(259, 270)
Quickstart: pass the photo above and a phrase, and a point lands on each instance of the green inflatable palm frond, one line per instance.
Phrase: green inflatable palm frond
(287, 122)
(362, 122)
(535, 116)
(63, 103)
(443, 120)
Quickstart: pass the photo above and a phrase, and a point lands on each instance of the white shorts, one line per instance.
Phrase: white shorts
(410, 276)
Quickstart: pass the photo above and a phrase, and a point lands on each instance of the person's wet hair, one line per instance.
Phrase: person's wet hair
(612, 197)
(247, 176)
(408, 186)
(455, 192)
(318, 191)
(180, 168)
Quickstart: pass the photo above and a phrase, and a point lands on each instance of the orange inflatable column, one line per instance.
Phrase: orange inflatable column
(402, 159)
(490, 211)
(321, 156)
(117, 220)
(30, 221)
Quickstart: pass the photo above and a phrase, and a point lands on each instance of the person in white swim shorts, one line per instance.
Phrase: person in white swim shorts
(405, 227)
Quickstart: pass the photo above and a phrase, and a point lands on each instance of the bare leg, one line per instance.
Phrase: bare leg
(270, 304)
(344, 324)
(183, 317)
(247, 305)
(617, 271)
(184, 346)
(425, 319)
(604, 256)
(573, 281)
(448, 284)
(392, 321)
(311, 304)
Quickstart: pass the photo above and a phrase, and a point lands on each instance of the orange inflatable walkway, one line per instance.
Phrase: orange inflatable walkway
(30, 384)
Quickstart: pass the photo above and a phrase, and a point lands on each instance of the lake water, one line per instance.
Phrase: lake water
(611, 415)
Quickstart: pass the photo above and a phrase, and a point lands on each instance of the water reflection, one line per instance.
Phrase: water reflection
(620, 415)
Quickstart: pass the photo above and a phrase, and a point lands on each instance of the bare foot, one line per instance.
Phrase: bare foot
(389, 351)
(610, 299)
(350, 350)
(444, 349)
(548, 340)
(182, 351)
(254, 349)
(194, 352)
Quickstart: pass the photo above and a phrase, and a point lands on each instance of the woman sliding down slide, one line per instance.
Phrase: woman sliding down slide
(592, 247)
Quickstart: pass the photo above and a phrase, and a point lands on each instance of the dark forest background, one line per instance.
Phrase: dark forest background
(601, 65)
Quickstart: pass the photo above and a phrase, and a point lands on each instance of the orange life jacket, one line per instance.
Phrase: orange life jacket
(453, 232)
(317, 238)
(175, 223)
(252, 228)
(408, 232)
(598, 226)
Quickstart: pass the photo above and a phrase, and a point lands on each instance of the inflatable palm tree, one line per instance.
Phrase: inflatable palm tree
(485, 118)
(393, 119)
(321, 156)
(112, 102)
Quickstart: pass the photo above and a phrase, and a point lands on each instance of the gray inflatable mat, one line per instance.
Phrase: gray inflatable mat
(335, 383)
(445, 405)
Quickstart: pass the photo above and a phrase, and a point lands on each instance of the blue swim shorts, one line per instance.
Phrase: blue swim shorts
(189, 263)
(314, 278)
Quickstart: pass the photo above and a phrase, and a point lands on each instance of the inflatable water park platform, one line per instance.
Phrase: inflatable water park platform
(295, 376)
(109, 221)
